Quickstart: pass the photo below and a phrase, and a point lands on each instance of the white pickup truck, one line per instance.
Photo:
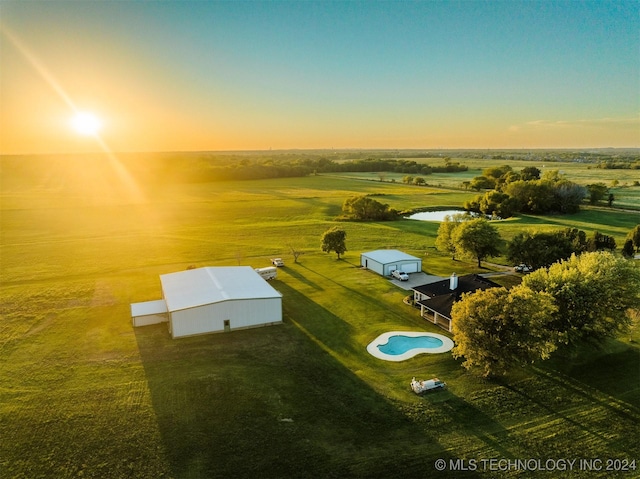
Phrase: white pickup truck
(523, 268)
(401, 275)
(277, 262)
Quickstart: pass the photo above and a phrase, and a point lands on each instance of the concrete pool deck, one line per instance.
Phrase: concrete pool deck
(372, 348)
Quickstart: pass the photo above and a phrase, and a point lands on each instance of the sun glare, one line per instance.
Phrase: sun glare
(86, 123)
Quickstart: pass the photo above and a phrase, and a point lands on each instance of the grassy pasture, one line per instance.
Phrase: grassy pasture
(84, 394)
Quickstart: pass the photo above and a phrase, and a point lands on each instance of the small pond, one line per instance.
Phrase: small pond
(442, 214)
(434, 215)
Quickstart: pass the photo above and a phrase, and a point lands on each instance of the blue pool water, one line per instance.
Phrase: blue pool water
(401, 344)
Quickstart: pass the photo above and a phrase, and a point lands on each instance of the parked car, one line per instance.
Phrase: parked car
(522, 268)
(401, 275)
(277, 261)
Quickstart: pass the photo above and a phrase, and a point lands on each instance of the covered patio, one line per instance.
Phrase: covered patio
(434, 316)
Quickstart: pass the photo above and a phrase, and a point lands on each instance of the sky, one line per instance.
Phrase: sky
(246, 75)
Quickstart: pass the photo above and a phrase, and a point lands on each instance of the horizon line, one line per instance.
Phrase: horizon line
(346, 149)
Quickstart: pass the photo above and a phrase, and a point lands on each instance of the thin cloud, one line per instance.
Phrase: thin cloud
(588, 122)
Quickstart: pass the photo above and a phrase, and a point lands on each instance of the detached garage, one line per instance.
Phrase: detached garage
(384, 261)
(216, 299)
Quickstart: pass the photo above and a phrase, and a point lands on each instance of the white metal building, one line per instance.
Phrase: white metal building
(384, 261)
(216, 299)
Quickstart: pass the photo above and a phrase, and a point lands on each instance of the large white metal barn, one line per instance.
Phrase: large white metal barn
(384, 261)
(216, 299)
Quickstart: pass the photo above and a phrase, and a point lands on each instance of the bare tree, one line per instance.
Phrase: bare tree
(295, 252)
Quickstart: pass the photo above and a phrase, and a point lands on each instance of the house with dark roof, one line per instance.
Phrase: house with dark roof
(436, 299)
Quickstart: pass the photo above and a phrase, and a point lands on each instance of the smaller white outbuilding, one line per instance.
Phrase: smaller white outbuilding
(149, 312)
(384, 261)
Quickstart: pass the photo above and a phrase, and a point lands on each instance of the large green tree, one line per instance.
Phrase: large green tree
(577, 238)
(593, 292)
(542, 248)
(476, 238)
(497, 174)
(628, 250)
(497, 203)
(365, 208)
(444, 240)
(497, 329)
(492, 203)
(334, 239)
(597, 192)
(530, 173)
(600, 241)
(634, 236)
(568, 196)
(532, 196)
(483, 183)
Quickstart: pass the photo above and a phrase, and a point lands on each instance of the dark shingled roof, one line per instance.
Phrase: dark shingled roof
(442, 297)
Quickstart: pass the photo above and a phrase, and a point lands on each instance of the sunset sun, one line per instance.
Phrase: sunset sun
(86, 123)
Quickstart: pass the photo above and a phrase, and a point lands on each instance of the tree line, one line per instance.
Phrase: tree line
(211, 168)
(619, 164)
(530, 191)
(477, 238)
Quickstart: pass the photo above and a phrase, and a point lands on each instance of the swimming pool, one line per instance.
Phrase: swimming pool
(401, 345)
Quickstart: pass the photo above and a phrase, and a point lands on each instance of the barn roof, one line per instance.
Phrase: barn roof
(197, 287)
(386, 256)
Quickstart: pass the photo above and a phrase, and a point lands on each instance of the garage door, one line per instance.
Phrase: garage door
(410, 267)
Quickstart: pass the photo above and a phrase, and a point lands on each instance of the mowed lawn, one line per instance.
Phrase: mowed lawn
(83, 394)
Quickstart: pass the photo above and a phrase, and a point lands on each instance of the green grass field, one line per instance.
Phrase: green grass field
(83, 394)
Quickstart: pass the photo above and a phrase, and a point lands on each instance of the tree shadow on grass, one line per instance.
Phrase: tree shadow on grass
(294, 273)
(275, 402)
(350, 293)
(607, 428)
(474, 421)
(326, 329)
(614, 375)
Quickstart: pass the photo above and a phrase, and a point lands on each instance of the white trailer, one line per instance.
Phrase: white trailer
(268, 273)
